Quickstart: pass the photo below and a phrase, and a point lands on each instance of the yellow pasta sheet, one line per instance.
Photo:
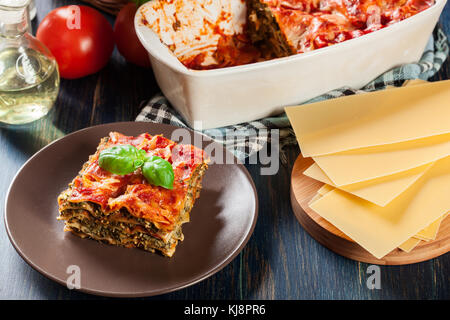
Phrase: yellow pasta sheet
(427, 234)
(325, 189)
(409, 244)
(430, 232)
(371, 163)
(380, 191)
(314, 198)
(372, 119)
(381, 229)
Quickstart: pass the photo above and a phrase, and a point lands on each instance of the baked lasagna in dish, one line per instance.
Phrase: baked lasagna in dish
(202, 34)
(208, 34)
(286, 27)
(126, 210)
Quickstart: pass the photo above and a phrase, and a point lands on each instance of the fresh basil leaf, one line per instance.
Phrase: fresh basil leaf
(123, 159)
(158, 172)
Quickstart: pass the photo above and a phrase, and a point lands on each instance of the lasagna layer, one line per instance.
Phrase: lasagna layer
(284, 27)
(114, 237)
(122, 234)
(128, 211)
(204, 34)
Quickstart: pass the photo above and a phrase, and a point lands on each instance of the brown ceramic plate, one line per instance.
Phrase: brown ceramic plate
(221, 223)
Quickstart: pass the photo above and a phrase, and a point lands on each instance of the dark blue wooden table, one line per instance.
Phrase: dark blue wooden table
(281, 261)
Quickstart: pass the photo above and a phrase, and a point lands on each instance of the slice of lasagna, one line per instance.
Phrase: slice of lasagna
(126, 210)
(285, 27)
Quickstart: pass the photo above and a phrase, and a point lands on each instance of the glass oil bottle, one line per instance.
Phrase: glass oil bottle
(29, 77)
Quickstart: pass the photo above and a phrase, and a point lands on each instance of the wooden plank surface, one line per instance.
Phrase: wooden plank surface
(281, 261)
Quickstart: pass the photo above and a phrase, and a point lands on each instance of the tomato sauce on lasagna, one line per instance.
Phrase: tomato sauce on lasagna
(128, 211)
(222, 33)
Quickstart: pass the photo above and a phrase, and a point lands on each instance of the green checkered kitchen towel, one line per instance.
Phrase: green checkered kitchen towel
(246, 139)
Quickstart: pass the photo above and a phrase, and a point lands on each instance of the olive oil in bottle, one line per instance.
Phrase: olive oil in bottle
(29, 83)
(29, 77)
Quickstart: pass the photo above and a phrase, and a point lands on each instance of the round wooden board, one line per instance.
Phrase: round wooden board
(303, 189)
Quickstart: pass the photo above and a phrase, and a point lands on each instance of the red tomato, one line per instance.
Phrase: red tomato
(80, 38)
(126, 39)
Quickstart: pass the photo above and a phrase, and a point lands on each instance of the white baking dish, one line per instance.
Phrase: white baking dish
(220, 97)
